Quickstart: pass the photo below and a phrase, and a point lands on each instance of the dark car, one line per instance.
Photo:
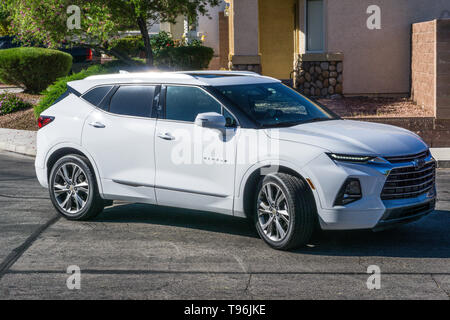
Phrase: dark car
(79, 54)
(7, 42)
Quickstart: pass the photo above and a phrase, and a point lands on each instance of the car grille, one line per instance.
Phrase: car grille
(409, 158)
(409, 182)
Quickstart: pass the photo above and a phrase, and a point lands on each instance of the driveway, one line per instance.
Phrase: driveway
(147, 252)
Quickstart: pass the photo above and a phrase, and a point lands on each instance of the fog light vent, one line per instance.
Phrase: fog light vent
(349, 192)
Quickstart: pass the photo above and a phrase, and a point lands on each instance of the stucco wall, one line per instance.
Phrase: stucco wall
(377, 61)
(209, 26)
(276, 37)
(244, 28)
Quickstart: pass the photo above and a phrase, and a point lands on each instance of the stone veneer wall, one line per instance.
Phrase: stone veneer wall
(319, 75)
(245, 63)
(423, 70)
(430, 66)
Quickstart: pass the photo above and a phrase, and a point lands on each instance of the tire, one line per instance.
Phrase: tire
(79, 199)
(293, 210)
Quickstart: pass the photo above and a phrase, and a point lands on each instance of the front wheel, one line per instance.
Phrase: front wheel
(285, 211)
(73, 189)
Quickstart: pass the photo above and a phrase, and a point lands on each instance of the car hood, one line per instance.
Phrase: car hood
(353, 137)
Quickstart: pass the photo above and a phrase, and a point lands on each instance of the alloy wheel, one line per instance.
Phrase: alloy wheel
(71, 188)
(273, 212)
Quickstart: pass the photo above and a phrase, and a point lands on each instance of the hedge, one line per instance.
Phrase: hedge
(54, 91)
(33, 68)
(184, 58)
(131, 45)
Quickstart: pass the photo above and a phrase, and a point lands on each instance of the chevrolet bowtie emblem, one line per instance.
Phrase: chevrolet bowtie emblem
(418, 163)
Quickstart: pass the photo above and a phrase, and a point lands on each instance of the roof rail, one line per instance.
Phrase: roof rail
(219, 72)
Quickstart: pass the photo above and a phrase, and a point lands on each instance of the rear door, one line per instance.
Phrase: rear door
(119, 135)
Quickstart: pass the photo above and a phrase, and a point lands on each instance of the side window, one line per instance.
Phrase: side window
(96, 95)
(133, 101)
(185, 103)
(231, 121)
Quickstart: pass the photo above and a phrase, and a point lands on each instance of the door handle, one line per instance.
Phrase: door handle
(166, 136)
(97, 124)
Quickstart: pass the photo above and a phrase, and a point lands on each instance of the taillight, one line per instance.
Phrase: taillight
(44, 120)
(89, 55)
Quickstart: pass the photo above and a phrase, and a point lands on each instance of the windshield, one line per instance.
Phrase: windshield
(274, 104)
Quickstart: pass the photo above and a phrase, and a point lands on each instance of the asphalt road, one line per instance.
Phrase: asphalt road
(147, 252)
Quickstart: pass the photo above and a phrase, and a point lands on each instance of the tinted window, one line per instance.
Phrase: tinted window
(274, 104)
(96, 95)
(133, 101)
(185, 103)
(230, 120)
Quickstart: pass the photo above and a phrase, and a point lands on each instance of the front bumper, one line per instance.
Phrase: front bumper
(396, 216)
(370, 212)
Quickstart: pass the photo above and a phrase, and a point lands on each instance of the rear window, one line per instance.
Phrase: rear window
(96, 95)
(66, 94)
(133, 101)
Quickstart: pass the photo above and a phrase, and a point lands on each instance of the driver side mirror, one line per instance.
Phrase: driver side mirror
(212, 120)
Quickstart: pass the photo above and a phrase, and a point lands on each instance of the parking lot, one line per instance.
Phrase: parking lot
(134, 251)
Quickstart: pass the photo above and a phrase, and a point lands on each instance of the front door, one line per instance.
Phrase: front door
(194, 165)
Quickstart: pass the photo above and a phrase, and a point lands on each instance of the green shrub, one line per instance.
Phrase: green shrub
(33, 68)
(161, 40)
(9, 103)
(54, 91)
(131, 45)
(184, 58)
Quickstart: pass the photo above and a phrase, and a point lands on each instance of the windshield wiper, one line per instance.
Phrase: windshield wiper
(294, 123)
(318, 119)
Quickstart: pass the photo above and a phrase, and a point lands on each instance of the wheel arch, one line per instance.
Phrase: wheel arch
(64, 150)
(252, 178)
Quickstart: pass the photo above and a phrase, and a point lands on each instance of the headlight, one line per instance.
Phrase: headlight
(355, 158)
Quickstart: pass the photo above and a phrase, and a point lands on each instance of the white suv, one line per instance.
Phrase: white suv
(236, 143)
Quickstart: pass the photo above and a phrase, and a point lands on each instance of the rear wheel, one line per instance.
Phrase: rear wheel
(285, 211)
(73, 189)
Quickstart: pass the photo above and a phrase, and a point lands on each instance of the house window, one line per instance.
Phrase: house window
(314, 26)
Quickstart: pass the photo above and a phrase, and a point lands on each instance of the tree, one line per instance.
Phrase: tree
(4, 25)
(101, 21)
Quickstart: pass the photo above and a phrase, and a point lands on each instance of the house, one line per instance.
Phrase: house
(206, 28)
(351, 47)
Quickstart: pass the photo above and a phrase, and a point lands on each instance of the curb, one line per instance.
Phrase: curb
(442, 156)
(443, 164)
(18, 141)
(18, 149)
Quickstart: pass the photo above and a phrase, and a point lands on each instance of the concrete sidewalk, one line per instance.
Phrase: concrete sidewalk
(24, 142)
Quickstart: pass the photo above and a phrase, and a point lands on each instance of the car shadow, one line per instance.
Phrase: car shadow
(426, 238)
(176, 217)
